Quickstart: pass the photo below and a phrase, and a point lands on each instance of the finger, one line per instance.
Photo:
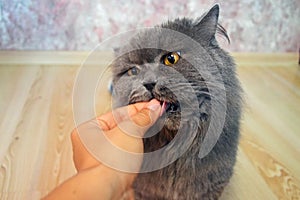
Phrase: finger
(127, 135)
(81, 157)
(128, 195)
(111, 119)
(139, 123)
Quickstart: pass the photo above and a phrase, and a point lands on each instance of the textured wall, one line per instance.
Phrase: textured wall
(253, 25)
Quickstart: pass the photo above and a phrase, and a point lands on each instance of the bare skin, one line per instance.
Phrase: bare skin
(95, 180)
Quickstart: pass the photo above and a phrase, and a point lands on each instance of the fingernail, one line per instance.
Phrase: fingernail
(153, 105)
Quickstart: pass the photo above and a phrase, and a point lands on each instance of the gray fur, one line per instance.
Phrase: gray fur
(189, 177)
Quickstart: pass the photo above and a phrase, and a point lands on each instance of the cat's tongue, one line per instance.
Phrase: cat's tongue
(163, 108)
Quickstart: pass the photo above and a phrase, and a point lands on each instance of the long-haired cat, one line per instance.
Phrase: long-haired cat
(194, 79)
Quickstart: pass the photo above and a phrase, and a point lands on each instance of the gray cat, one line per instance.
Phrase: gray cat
(188, 77)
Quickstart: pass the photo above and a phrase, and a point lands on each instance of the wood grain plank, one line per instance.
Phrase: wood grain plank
(271, 131)
(57, 165)
(271, 113)
(279, 179)
(14, 107)
(29, 139)
(246, 183)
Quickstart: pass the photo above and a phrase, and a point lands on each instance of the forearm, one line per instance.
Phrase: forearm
(95, 183)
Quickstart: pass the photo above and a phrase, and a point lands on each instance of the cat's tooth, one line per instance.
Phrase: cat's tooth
(163, 108)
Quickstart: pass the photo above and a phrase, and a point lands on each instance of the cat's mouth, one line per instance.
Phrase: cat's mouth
(169, 107)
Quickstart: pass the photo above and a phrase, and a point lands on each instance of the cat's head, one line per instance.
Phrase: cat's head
(171, 63)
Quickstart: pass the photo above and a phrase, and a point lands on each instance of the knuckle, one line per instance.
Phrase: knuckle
(143, 118)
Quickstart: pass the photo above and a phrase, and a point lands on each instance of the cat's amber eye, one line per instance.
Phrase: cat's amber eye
(133, 71)
(171, 58)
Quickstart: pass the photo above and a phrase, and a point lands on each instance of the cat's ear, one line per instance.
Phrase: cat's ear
(208, 24)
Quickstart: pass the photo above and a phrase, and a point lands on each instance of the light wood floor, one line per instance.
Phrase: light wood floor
(36, 119)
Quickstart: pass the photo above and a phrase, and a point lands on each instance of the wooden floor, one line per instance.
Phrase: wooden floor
(36, 117)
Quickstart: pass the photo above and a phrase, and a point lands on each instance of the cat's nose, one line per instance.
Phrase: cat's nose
(149, 86)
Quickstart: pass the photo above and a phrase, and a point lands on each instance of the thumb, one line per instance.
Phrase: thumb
(127, 137)
(148, 115)
(139, 123)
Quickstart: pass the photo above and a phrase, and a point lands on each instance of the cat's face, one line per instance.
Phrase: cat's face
(165, 64)
(166, 76)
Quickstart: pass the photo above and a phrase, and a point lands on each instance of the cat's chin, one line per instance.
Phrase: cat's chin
(168, 127)
(171, 120)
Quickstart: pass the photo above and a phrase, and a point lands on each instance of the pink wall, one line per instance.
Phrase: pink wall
(253, 25)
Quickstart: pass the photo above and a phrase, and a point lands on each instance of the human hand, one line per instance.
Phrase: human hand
(139, 115)
(96, 180)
